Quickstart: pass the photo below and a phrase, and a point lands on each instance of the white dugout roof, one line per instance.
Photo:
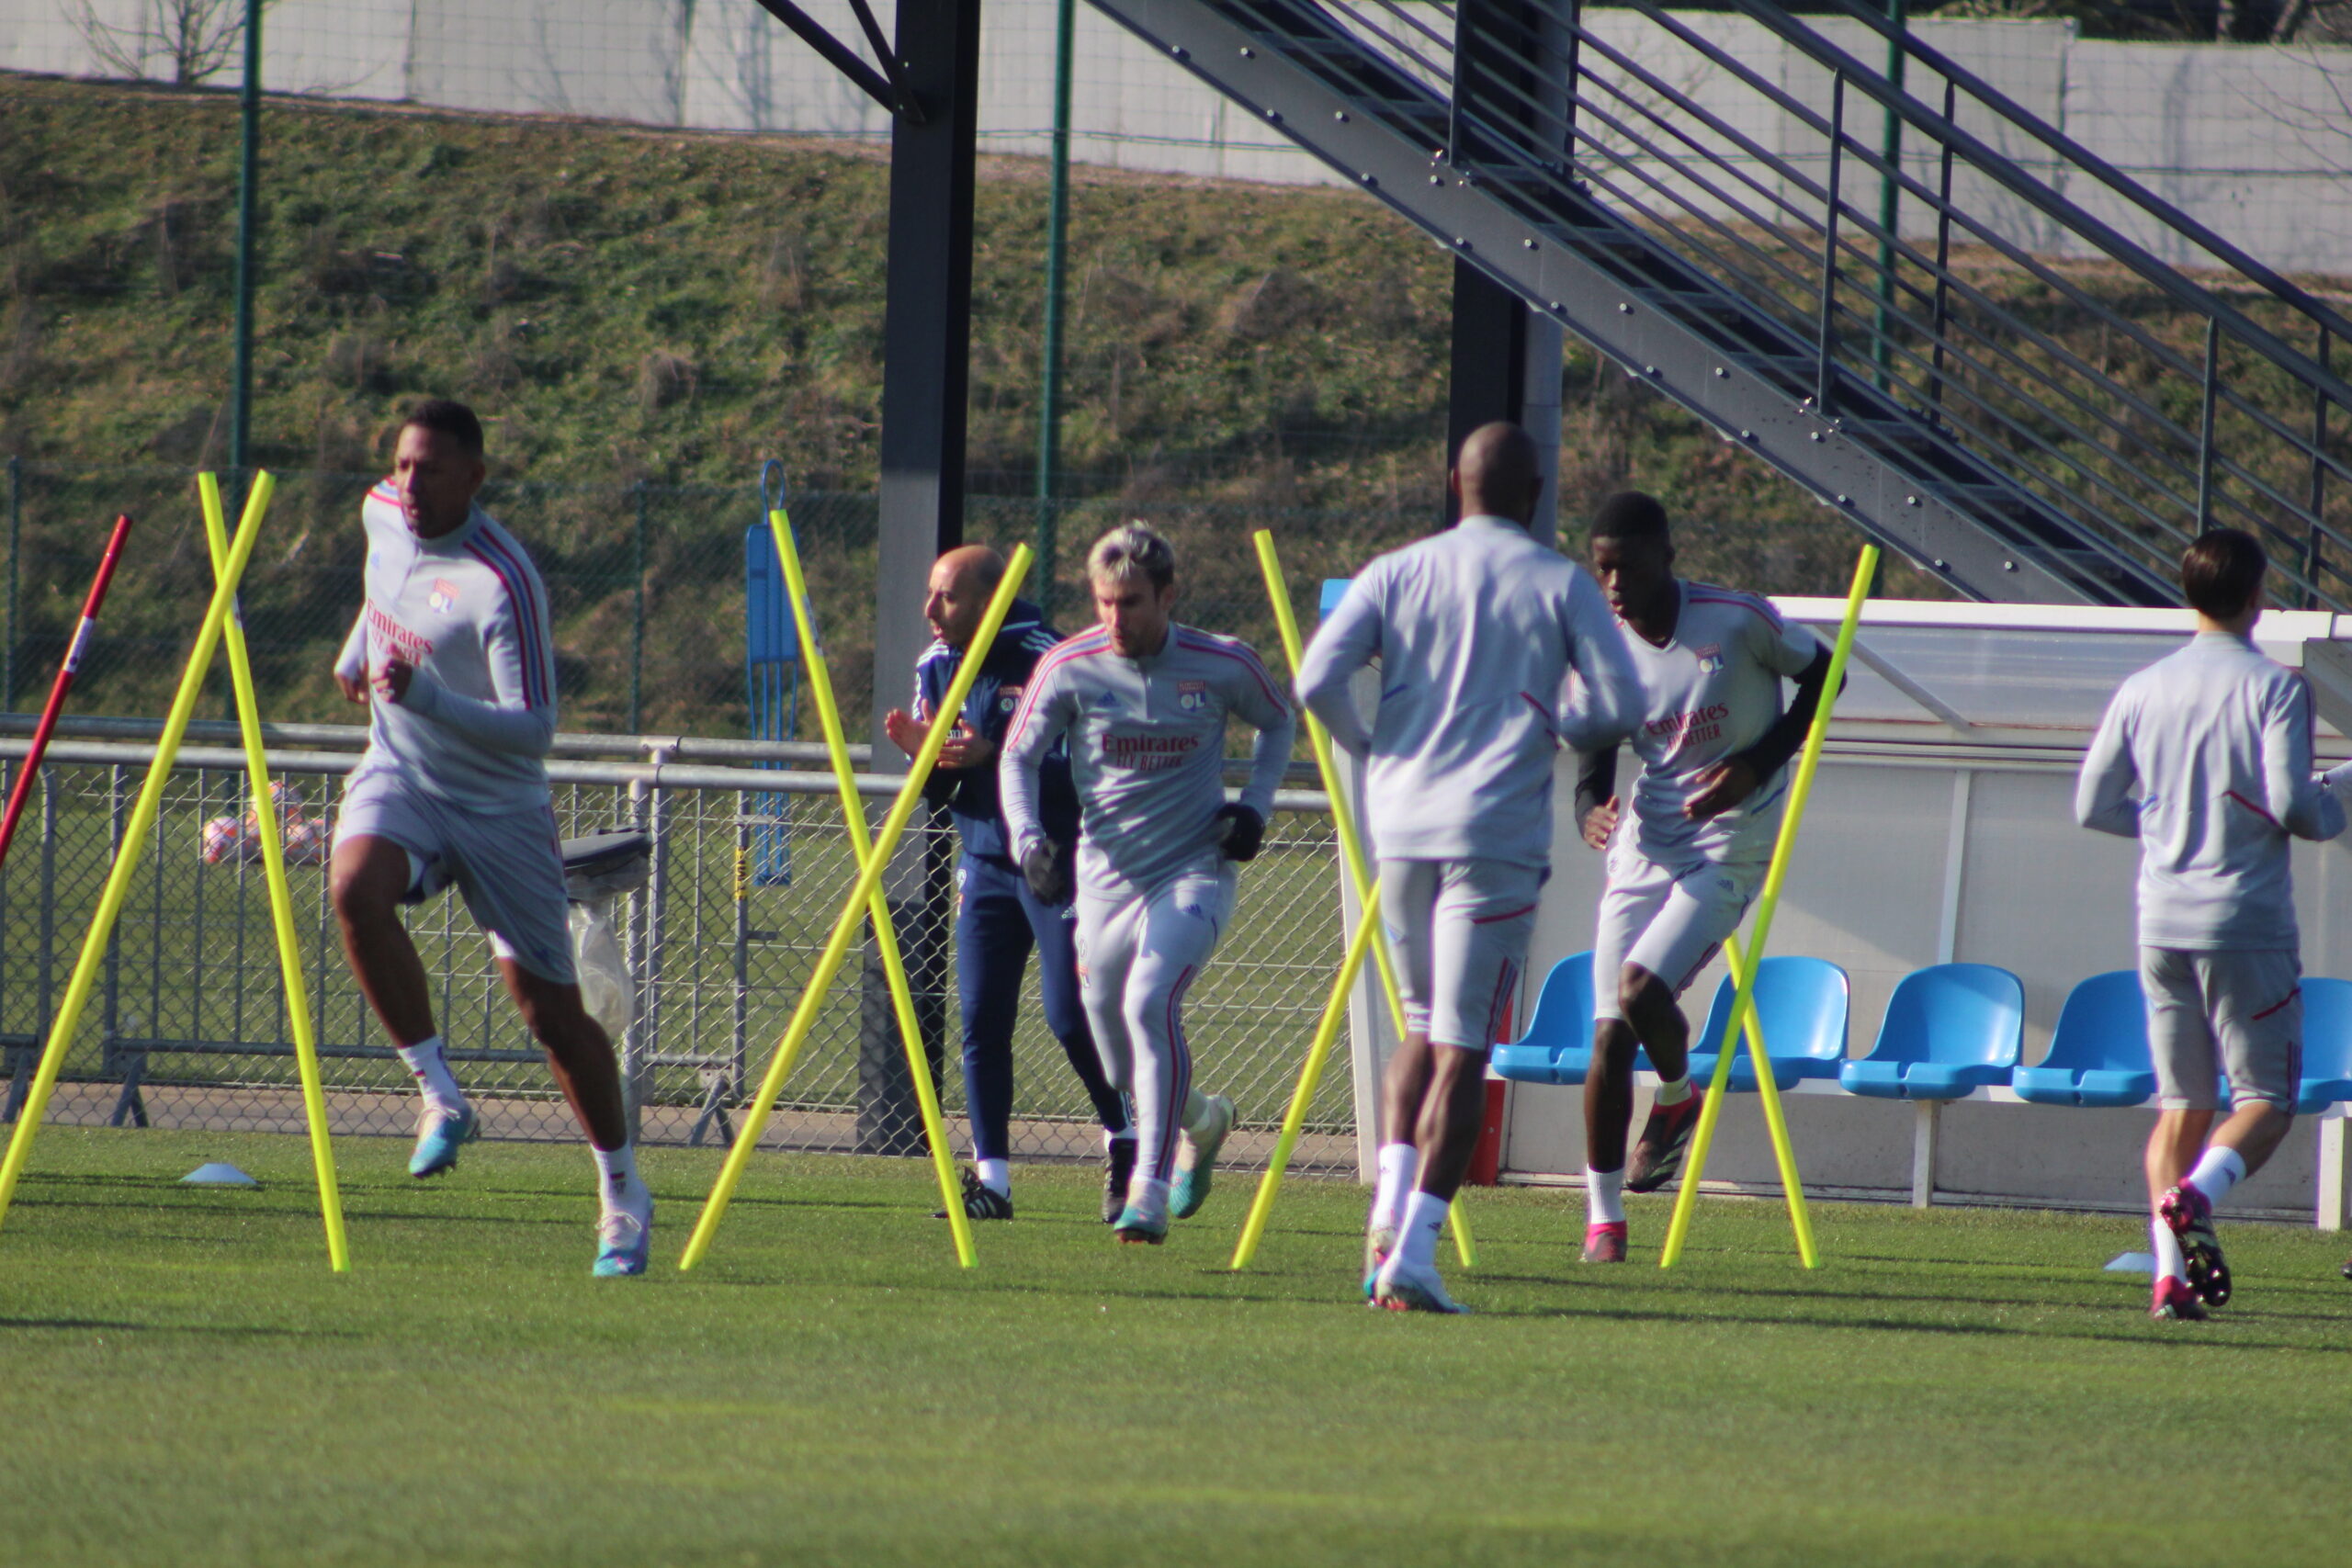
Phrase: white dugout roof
(2019, 673)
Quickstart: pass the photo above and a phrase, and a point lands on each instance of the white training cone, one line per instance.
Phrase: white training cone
(2133, 1263)
(217, 1175)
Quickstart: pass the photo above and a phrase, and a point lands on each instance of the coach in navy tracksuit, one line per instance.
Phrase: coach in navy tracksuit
(998, 919)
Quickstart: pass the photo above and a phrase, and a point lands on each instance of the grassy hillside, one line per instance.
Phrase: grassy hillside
(645, 316)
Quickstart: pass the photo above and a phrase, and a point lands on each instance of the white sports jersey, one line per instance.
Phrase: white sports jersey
(1147, 750)
(2218, 740)
(468, 610)
(1476, 630)
(1710, 694)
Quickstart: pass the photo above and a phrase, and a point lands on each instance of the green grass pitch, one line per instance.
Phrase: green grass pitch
(183, 1381)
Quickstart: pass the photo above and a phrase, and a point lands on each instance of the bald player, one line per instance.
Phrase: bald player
(1476, 631)
(998, 918)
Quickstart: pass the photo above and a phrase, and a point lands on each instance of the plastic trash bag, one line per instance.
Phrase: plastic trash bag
(607, 989)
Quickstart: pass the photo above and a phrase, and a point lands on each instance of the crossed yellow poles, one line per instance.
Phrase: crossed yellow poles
(886, 936)
(221, 618)
(865, 898)
(1743, 1009)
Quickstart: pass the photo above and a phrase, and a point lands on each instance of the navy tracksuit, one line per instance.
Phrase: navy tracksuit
(998, 919)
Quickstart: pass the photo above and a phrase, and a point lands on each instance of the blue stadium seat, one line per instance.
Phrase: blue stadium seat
(1801, 1004)
(2098, 1053)
(1947, 1029)
(1557, 1046)
(2327, 1045)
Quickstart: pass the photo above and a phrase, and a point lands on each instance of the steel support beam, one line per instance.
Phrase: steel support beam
(926, 343)
(1487, 375)
(839, 56)
(1505, 363)
(926, 334)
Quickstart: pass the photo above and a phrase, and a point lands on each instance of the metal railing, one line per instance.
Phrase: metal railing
(187, 1025)
(1945, 273)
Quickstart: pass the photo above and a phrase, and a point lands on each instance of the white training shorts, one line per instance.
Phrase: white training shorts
(2239, 1011)
(1458, 930)
(1667, 920)
(506, 863)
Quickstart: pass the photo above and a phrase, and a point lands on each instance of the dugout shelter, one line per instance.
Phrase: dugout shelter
(1942, 830)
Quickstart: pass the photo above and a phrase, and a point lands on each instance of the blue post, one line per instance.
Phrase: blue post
(772, 677)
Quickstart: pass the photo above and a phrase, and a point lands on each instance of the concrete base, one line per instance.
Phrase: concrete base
(1990, 1148)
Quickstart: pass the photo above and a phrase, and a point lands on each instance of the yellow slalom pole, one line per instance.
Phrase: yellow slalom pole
(1343, 817)
(134, 833)
(1344, 825)
(1744, 1001)
(886, 935)
(829, 963)
(1310, 1078)
(1784, 1151)
(281, 899)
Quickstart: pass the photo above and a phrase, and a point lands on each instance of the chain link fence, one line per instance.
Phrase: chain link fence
(189, 1028)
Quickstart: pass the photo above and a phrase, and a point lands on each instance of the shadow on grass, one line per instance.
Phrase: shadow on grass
(2131, 1329)
(204, 1330)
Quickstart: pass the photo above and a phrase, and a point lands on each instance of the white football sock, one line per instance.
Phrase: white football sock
(2166, 1247)
(1416, 1239)
(618, 1182)
(2221, 1169)
(1604, 1196)
(1196, 1111)
(996, 1175)
(1400, 1166)
(1123, 1133)
(429, 1066)
(1673, 1093)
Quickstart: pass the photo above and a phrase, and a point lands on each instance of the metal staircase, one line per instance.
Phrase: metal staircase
(1951, 347)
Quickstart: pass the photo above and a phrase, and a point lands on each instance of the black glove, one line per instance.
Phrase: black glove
(1047, 867)
(1244, 831)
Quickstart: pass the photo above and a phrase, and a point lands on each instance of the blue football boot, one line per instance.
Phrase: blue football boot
(623, 1243)
(439, 1135)
(1196, 1160)
(1144, 1222)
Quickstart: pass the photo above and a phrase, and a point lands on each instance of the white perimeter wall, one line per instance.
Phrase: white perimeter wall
(2254, 141)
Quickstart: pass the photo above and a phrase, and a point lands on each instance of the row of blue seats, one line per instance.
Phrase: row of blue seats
(1948, 1029)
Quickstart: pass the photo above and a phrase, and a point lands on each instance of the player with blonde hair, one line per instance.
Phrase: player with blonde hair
(1143, 700)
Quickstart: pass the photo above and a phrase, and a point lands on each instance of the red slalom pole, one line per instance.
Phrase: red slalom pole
(65, 671)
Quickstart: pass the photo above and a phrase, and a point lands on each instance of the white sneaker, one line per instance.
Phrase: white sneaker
(1401, 1287)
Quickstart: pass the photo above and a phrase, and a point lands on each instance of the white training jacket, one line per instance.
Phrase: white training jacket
(1146, 752)
(1476, 631)
(468, 610)
(2217, 740)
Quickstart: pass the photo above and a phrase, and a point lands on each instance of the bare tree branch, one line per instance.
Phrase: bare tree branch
(196, 39)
